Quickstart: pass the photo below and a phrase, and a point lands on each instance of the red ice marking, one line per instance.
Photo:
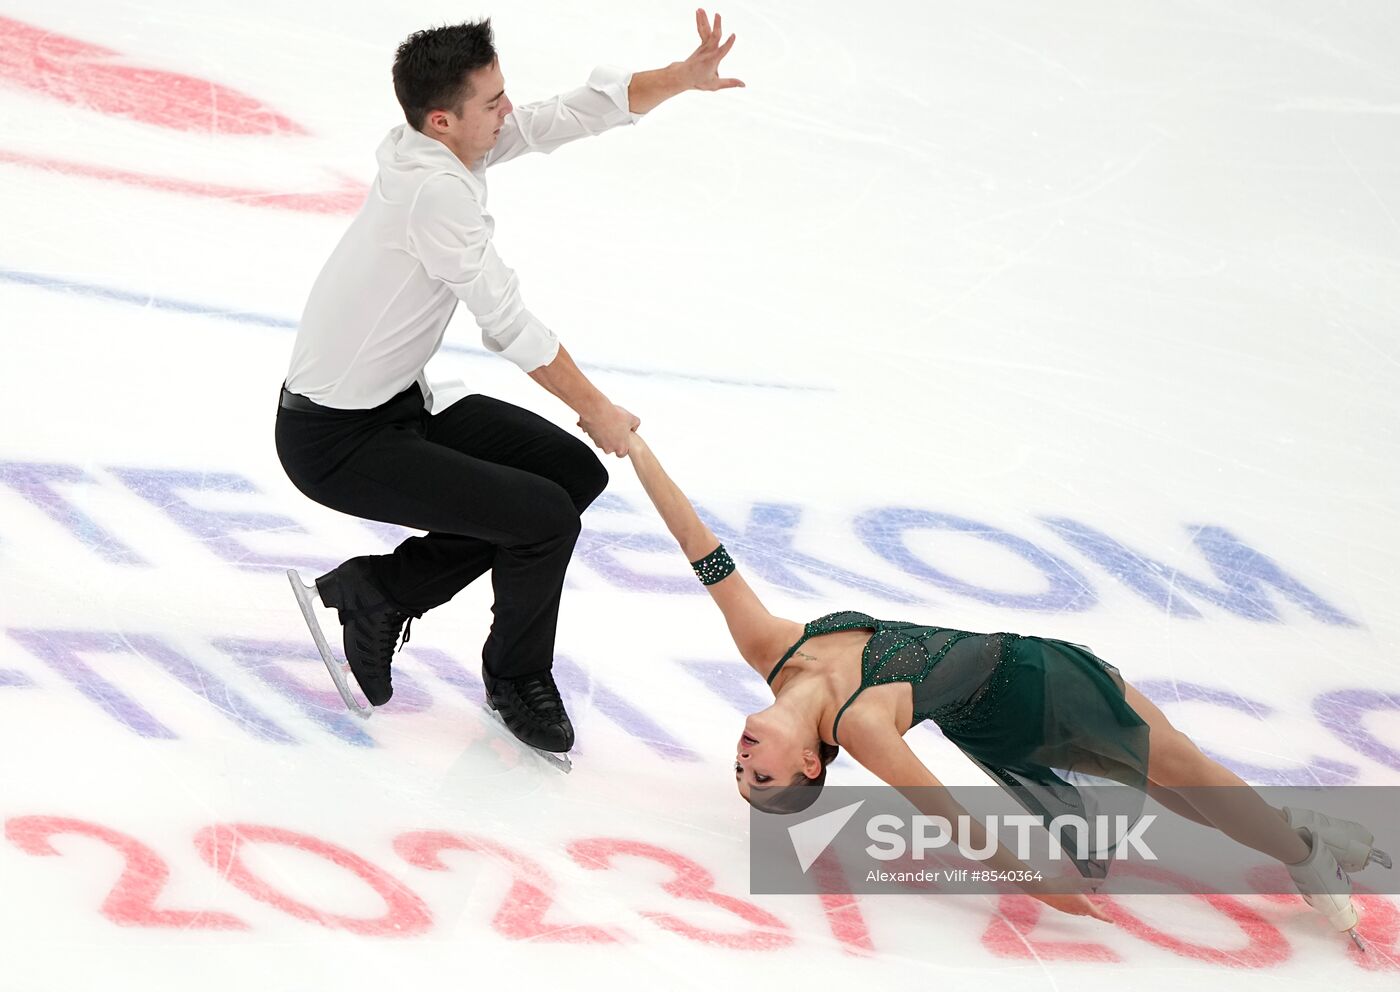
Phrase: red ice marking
(87, 75)
(521, 916)
(691, 882)
(132, 901)
(405, 915)
(1266, 948)
(345, 198)
(1380, 919)
(1009, 935)
(842, 909)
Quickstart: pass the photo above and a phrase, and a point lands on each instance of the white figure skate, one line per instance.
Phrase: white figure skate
(1325, 887)
(1351, 843)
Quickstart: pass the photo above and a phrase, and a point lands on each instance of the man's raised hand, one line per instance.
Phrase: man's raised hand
(701, 70)
(610, 428)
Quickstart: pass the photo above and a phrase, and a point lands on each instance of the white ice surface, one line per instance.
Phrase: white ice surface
(1130, 264)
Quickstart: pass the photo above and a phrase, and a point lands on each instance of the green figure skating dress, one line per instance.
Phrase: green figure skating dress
(1037, 714)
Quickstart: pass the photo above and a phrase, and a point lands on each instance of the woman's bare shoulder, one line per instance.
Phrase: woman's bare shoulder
(779, 636)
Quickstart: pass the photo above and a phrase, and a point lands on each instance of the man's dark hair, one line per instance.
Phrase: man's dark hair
(798, 794)
(431, 68)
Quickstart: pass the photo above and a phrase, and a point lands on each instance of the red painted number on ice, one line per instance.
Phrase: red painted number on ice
(82, 74)
(1379, 926)
(132, 901)
(691, 882)
(842, 910)
(522, 913)
(1266, 948)
(405, 915)
(1010, 935)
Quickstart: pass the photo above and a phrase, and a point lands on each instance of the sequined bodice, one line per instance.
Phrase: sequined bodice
(907, 652)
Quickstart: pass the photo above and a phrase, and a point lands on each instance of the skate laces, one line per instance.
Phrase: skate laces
(385, 628)
(540, 695)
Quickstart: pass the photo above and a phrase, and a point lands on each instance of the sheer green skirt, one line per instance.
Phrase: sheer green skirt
(1052, 726)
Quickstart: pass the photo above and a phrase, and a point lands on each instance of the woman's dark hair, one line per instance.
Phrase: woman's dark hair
(798, 794)
(431, 68)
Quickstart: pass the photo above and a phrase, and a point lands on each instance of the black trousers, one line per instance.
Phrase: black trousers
(496, 487)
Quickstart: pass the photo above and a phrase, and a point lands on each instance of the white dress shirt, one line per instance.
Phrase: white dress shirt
(420, 243)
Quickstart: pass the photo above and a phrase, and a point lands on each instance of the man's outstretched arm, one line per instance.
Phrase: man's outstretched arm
(699, 72)
(606, 423)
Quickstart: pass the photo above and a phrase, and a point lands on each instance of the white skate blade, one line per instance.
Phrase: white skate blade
(560, 761)
(1356, 939)
(1379, 857)
(340, 672)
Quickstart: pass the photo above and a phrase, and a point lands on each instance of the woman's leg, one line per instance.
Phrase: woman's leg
(1177, 804)
(1220, 797)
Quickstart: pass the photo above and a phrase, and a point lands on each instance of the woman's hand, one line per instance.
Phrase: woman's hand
(610, 427)
(1073, 903)
(1066, 894)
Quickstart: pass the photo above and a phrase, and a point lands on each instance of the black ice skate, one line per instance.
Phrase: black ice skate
(371, 631)
(531, 709)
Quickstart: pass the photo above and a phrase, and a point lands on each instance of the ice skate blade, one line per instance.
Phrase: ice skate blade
(1379, 857)
(1356, 939)
(340, 672)
(562, 762)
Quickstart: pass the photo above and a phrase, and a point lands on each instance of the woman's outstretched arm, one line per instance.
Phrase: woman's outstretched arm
(760, 636)
(872, 740)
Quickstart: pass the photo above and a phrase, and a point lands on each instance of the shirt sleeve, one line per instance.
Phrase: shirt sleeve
(451, 238)
(596, 107)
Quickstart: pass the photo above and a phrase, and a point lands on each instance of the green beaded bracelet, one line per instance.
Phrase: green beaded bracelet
(714, 566)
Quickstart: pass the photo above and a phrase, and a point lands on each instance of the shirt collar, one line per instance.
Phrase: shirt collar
(412, 145)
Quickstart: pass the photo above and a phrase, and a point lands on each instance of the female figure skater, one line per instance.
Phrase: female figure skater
(1019, 707)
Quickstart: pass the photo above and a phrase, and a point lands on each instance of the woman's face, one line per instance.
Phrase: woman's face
(768, 757)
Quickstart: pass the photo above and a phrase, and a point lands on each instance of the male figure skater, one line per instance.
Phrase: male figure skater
(496, 488)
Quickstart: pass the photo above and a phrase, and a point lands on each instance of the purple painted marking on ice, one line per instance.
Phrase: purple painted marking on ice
(59, 650)
(10, 677)
(883, 531)
(409, 695)
(392, 534)
(1343, 713)
(35, 480)
(265, 660)
(729, 680)
(458, 676)
(764, 547)
(209, 687)
(595, 548)
(1243, 573)
(632, 720)
(217, 528)
(1318, 770)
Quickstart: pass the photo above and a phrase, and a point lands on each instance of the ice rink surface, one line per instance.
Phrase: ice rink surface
(1077, 319)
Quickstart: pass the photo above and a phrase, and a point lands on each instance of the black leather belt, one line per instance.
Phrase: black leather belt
(295, 401)
(299, 403)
